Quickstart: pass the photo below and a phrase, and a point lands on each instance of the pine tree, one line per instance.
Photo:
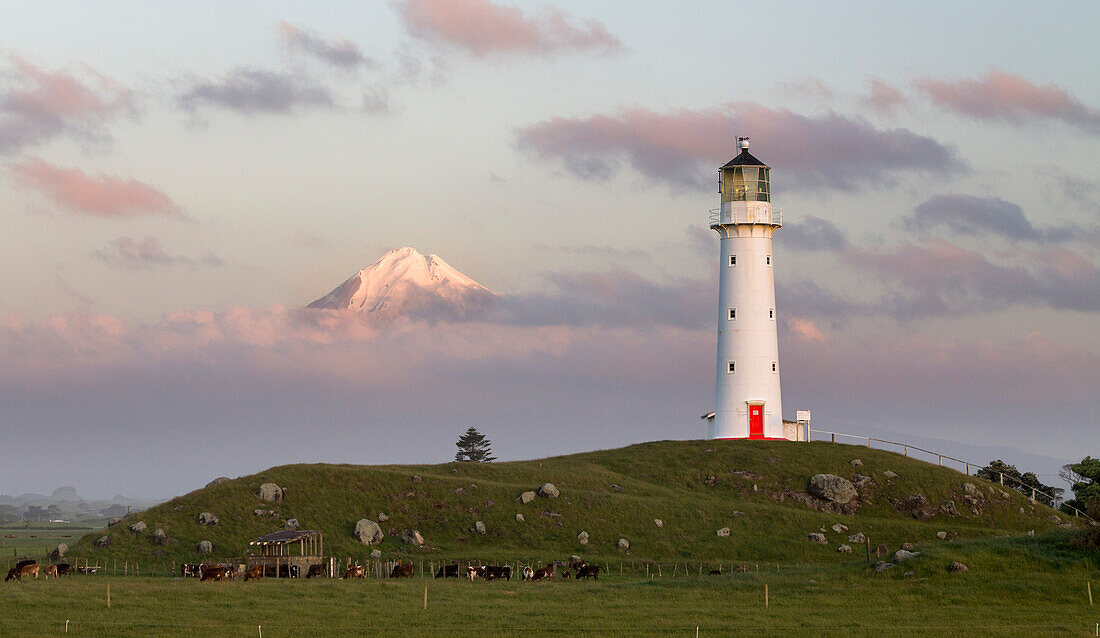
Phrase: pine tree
(473, 446)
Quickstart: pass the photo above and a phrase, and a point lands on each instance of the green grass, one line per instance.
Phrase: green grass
(662, 480)
(37, 539)
(1017, 586)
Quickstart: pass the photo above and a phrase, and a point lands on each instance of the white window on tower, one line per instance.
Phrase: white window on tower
(771, 314)
(768, 260)
(733, 260)
(775, 367)
(730, 368)
(732, 314)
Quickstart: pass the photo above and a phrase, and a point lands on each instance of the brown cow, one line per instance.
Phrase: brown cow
(544, 572)
(214, 572)
(355, 571)
(403, 571)
(27, 570)
(588, 571)
(49, 570)
(316, 570)
(256, 571)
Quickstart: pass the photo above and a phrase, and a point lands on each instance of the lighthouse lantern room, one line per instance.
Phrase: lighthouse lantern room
(748, 401)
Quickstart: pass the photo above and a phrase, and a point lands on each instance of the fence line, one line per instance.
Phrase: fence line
(967, 464)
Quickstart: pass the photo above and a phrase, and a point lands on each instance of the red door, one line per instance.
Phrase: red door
(756, 421)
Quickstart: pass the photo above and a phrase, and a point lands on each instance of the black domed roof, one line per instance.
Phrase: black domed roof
(744, 159)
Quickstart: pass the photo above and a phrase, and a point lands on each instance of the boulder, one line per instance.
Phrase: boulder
(881, 567)
(376, 554)
(416, 479)
(908, 547)
(890, 474)
(623, 544)
(832, 488)
(270, 492)
(941, 535)
(206, 518)
(59, 552)
(526, 497)
(368, 532)
(840, 528)
(103, 542)
(218, 481)
(949, 508)
(291, 524)
(815, 537)
(111, 522)
(971, 490)
(916, 506)
(519, 518)
(881, 551)
(480, 528)
(903, 555)
(583, 538)
(861, 481)
(548, 491)
(957, 567)
(844, 549)
(710, 481)
(857, 538)
(908, 574)
(412, 537)
(382, 518)
(724, 532)
(160, 537)
(138, 527)
(204, 547)
(856, 463)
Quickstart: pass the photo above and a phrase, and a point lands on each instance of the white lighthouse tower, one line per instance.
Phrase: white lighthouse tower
(748, 403)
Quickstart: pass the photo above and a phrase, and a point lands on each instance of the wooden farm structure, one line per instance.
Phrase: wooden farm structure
(279, 551)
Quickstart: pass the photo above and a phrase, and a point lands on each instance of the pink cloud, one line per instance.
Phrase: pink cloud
(804, 329)
(683, 147)
(482, 28)
(1008, 97)
(99, 196)
(883, 97)
(37, 105)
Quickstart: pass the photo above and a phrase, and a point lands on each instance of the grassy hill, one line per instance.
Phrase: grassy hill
(611, 494)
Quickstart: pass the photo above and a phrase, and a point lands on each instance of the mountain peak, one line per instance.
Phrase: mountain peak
(405, 282)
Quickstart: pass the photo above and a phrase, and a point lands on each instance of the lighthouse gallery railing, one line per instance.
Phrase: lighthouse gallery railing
(716, 217)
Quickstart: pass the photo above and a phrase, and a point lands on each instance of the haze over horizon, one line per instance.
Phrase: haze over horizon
(181, 182)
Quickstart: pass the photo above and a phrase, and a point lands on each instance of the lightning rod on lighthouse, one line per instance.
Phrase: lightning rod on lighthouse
(748, 402)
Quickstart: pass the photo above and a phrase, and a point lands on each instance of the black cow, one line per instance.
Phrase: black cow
(494, 572)
(447, 571)
(588, 571)
(316, 570)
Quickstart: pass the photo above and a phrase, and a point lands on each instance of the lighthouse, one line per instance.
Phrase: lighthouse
(748, 404)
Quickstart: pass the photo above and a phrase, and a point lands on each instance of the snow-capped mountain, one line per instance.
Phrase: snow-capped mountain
(405, 283)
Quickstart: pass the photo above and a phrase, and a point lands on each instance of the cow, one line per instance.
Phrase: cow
(355, 571)
(715, 572)
(316, 570)
(544, 572)
(256, 571)
(528, 573)
(12, 574)
(565, 574)
(495, 572)
(27, 570)
(576, 563)
(588, 571)
(475, 571)
(402, 571)
(190, 570)
(214, 572)
(64, 569)
(49, 570)
(447, 571)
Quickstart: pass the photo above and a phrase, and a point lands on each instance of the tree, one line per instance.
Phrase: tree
(1085, 477)
(1023, 482)
(473, 446)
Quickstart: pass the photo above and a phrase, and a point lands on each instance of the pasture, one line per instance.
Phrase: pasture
(1016, 586)
(38, 539)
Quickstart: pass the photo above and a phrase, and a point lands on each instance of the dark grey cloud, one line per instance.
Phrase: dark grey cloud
(813, 233)
(683, 148)
(252, 91)
(339, 53)
(970, 215)
(125, 252)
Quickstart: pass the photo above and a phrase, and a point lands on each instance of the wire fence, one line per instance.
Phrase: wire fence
(963, 465)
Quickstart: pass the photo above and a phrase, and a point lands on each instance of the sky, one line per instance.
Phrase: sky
(178, 180)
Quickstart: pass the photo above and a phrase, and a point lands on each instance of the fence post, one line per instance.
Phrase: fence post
(941, 459)
(1002, 478)
(834, 437)
(906, 452)
(868, 441)
(968, 469)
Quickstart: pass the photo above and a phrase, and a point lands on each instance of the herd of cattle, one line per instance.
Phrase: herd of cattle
(220, 572)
